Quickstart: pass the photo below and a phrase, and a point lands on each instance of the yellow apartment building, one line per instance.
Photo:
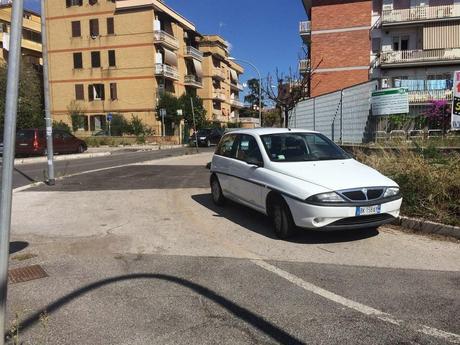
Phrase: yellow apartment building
(221, 86)
(118, 57)
(31, 35)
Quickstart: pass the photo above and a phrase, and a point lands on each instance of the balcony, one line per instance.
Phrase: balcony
(426, 96)
(420, 14)
(305, 28)
(169, 41)
(419, 57)
(237, 86)
(304, 66)
(236, 103)
(219, 74)
(219, 95)
(162, 70)
(192, 80)
(192, 52)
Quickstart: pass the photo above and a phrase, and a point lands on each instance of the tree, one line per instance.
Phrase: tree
(170, 103)
(30, 103)
(252, 98)
(438, 115)
(77, 115)
(271, 117)
(200, 111)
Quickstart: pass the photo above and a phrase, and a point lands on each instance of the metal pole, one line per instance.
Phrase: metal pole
(194, 124)
(9, 137)
(48, 120)
(341, 117)
(163, 129)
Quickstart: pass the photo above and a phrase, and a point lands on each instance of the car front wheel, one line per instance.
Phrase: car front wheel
(80, 149)
(216, 192)
(283, 224)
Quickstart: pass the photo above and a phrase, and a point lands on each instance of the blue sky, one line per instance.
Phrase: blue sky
(264, 32)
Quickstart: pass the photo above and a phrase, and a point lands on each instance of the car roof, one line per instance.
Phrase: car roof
(265, 131)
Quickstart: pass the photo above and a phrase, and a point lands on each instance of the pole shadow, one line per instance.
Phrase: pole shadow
(17, 246)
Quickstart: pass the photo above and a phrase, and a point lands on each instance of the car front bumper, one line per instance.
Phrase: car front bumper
(340, 217)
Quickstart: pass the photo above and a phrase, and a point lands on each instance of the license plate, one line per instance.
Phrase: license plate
(367, 210)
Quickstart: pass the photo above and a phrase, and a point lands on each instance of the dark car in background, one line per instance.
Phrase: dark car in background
(206, 137)
(32, 141)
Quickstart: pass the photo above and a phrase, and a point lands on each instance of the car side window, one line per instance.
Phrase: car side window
(248, 149)
(226, 146)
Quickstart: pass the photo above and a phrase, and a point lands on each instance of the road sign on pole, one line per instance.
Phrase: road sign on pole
(163, 114)
(456, 102)
(9, 137)
(109, 120)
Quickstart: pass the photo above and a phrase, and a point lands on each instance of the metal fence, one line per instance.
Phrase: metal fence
(343, 116)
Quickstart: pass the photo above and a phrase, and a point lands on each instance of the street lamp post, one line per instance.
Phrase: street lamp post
(260, 85)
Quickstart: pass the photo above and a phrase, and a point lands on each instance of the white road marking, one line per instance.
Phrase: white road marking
(364, 309)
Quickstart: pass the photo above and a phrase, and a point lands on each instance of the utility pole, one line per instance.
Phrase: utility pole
(194, 124)
(9, 138)
(48, 120)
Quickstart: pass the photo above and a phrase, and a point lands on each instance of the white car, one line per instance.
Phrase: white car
(301, 179)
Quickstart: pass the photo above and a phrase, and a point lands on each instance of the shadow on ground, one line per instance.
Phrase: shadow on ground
(17, 246)
(261, 224)
(251, 318)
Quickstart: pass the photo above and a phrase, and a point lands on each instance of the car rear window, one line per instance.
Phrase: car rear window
(25, 134)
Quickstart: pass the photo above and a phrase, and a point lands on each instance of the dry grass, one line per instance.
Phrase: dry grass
(429, 181)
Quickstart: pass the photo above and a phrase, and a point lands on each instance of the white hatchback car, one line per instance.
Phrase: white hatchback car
(301, 178)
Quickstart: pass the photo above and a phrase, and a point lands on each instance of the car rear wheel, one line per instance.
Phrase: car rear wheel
(216, 192)
(283, 225)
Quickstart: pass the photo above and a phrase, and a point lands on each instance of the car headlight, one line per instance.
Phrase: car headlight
(202, 138)
(391, 191)
(326, 198)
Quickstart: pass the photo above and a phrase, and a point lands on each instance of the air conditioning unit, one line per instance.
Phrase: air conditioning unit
(384, 84)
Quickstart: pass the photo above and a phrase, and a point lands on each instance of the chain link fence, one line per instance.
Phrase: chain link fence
(343, 116)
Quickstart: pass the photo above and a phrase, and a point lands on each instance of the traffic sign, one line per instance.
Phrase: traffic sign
(109, 117)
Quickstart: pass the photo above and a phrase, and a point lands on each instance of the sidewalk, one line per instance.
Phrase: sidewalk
(93, 152)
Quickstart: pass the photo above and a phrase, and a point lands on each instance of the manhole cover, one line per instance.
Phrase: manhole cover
(25, 274)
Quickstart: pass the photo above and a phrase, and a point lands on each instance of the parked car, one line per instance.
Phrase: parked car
(33, 142)
(206, 137)
(301, 179)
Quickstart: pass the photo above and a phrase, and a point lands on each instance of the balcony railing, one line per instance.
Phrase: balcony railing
(418, 56)
(192, 52)
(219, 95)
(219, 73)
(425, 96)
(192, 80)
(166, 71)
(236, 103)
(162, 37)
(420, 13)
(237, 86)
(304, 65)
(305, 27)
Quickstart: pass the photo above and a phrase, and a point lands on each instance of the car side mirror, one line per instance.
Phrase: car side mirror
(255, 161)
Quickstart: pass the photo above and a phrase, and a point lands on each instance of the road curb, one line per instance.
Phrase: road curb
(33, 160)
(428, 227)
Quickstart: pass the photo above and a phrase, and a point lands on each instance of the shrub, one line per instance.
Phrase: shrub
(62, 126)
(429, 181)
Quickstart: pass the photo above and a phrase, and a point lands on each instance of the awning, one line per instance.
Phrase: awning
(198, 68)
(170, 58)
(234, 75)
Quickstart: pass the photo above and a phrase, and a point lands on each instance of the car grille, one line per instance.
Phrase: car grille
(363, 219)
(363, 194)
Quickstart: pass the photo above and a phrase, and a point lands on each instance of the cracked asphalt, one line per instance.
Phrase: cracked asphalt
(140, 255)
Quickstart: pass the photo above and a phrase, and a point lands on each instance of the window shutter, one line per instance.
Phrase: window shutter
(94, 27)
(110, 26)
(79, 94)
(76, 29)
(112, 61)
(113, 91)
(77, 60)
(68, 3)
(90, 92)
(95, 59)
(102, 92)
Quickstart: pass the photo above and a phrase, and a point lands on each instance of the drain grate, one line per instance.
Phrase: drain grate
(25, 274)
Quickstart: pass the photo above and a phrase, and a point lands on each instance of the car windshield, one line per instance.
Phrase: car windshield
(204, 132)
(298, 147)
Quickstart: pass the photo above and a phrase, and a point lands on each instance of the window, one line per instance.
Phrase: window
(77, 60)
(92, 2)
(400, 43)
(110, 26)
(376, 43)
(96, 92)
(95, 59)
(76, 29)
(79, 93)
(113, 91)
(248, 149)
(70, 3)
(94, 27)
(112, 62)
(31, 35)
(227, 147)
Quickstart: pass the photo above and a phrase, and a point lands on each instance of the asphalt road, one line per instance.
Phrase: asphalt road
(140, 255)
(29, 173)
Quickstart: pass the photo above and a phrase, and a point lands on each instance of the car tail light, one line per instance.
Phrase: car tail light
(35, 143)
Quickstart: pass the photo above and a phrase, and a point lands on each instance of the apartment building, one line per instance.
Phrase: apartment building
(118, 57)
(31, 35)
(402, 43)
(221, 86)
